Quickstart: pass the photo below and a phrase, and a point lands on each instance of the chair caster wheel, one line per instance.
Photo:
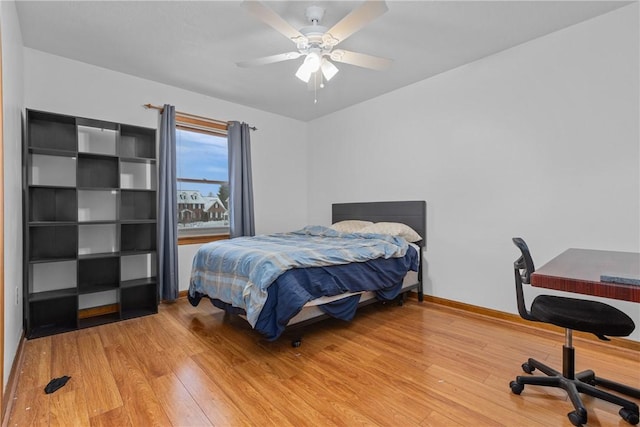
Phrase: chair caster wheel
(577, 419)
(528, 368)
(296, 343)
(629, 416)
(589, 378)
(516, 387)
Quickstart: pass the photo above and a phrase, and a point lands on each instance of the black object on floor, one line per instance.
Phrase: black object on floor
(55, 384)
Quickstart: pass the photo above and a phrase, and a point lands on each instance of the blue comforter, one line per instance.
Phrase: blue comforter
(293, 289)
(240, 271)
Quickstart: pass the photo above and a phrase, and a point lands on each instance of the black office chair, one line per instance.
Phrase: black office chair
(572, 314)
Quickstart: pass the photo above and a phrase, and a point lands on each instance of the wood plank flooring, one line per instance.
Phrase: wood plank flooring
(421, 364)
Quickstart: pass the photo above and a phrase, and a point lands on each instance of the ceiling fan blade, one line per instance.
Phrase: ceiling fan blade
(269, 59)
(361, 59)
(357, 19)
(271, 18)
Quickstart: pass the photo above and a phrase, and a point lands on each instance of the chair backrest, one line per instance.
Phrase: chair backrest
(523, 268)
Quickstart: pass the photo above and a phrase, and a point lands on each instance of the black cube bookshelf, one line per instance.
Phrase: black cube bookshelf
(89, 222)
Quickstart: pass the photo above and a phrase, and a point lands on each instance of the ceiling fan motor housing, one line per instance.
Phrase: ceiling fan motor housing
(314, 14)
(316, 36)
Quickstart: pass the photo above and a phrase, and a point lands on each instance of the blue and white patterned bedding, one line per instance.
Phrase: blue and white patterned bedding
(240, 271)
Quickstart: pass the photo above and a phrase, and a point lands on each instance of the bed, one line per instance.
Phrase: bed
(273, 290)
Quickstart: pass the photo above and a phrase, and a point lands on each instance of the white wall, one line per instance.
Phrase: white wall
(56, 84)
(539, 141)
(12, 94)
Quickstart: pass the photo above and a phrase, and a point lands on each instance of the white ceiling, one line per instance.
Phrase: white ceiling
(194, 45)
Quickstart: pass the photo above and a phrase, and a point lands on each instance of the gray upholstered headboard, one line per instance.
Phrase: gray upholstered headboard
(412, 213)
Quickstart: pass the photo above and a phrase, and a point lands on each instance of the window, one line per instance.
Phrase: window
(202, 171)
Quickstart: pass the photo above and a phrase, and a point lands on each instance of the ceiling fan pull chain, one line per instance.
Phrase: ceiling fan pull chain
(315, 88)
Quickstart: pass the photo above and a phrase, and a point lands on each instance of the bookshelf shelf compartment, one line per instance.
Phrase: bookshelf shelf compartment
(51, 170)
(53, 242)
(137, 205)
(97, 239)
(137, 175)
(52, 204)
(47, 277)
(139, 300)
(89, 222)
(53, 316)
(97, 205)
(52, 131)
(97, 140)
(92, 300)
(98, 274)
(137, 267)
(97, 172)
(138, 237)
(137, 142)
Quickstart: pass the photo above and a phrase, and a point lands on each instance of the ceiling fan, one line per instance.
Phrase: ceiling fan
(316, 43)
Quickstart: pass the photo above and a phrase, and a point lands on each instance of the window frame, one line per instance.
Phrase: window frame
(210, 127)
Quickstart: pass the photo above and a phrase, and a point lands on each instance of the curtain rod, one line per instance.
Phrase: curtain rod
(219, 122)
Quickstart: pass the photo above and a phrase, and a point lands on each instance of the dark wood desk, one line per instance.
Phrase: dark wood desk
(579, 270)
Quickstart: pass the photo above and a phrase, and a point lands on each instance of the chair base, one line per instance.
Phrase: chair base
(584, 382)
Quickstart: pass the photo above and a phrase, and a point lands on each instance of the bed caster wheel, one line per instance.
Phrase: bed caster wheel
(528, 368)
(296, 343)
(576, 418)
(516, 387)
(401, 302)
(629, 416)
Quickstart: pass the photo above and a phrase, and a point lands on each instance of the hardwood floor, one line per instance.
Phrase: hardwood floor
(415, 365)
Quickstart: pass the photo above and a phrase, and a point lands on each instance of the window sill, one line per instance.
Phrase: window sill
(193, 240)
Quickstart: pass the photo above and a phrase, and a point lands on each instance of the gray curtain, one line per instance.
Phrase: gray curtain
(241, 221)
(167, 207)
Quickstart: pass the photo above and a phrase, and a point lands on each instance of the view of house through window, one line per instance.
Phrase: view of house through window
(202, 179)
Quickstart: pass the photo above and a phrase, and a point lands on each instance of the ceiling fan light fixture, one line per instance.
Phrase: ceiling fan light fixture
(328, 69)
(310, 65)
(304, 73)
(313, 61)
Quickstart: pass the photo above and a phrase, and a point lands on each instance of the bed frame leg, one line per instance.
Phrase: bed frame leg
(420, 292)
